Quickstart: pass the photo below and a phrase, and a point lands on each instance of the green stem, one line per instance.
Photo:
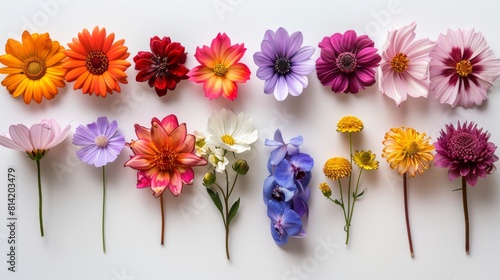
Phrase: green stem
(350, 174)
(408, 230)
(226, 221)
(351, 211)
(40, 198)
(466, 213)
(103, 207)
(162, 220)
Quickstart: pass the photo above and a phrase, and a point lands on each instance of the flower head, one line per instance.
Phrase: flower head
(284, 222)
(462, 68)
(230, 132)
(465, 150)
(407, 150)
(163, 67)
(37, 140)
(325, 189)
(349, 124)
(405, 64)
(283, 63)
(283, 148)
(365, 160)
(164, 155)
(34, 67)
(336, 168)
(101, 141)
(220, 69)
(96, 63)
(346, 62)
(218, 159)
(291, 170)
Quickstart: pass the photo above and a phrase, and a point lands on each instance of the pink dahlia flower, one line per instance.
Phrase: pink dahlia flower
(346, 62)
(465, 150)
(405, 64)
(462, 68)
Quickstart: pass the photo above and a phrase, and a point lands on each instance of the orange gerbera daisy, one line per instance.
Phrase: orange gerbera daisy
(95, 63)
(34, 67)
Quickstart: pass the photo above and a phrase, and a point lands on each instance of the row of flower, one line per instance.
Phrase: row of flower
(164, 155)
(458, 68)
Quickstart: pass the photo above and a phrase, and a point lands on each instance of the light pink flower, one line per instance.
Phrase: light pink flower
(36, 140)
(405, 64)
(462, 68)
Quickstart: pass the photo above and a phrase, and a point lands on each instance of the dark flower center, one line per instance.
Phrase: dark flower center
(277, 194)
(346, 62)
(282, 65)
(465, 146)
(464, 68)
(399, 63)
(220, 69)
(97, 62)
(165, 160)
(412, 148)
(34, 68)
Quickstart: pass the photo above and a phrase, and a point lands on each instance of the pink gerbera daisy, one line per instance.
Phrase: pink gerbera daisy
(462, 68)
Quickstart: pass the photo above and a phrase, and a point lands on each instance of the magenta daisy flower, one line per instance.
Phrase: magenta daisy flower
(346, 62)
(462, 68)
(465, 150)
(163, 67)
(405, 64)
(283, 63)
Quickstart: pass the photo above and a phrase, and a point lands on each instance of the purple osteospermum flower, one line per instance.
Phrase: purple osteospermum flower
(283, 63)
(462, 68)
(284, 223)
(346, 62)
(466, 152)
(101, 142)
(405, 65)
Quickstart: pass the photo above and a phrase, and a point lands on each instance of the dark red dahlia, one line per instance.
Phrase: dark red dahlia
(163, 67)
(466, 152)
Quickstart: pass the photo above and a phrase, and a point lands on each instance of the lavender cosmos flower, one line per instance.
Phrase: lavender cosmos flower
(100, 140)
(404, 68)
(346, 62)
(465, 150)
(283, 63)
(284, 223)
(462, 68)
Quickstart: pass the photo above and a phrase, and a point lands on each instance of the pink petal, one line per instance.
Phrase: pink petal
(20, 136)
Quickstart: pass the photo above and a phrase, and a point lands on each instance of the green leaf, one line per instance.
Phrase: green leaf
(359, 194)
(233, 211)
(216, 199)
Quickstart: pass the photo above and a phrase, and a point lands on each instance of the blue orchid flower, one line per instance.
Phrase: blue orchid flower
(287, 172)
(273, 191)
(284, 223)
(283, 148)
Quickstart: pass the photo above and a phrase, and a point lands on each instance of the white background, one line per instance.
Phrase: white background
(194, 246)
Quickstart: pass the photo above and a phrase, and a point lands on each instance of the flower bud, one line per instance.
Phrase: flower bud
(209, 179)
(241, 166)
(325, 189)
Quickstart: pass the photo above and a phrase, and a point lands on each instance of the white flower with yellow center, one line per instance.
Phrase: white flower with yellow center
(218, 160)
(230, 132)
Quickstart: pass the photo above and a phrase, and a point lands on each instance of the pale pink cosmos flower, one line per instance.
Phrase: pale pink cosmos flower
(405, 64)
(36, 141)
(462, 68)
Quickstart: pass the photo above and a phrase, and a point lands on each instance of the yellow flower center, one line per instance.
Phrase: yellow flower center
(101, 141)
(228, 139)
(220, 69)
(365, 158)
(412, 149)
(464, 68)
(399, 63)
(34, 68)
(165, 159)
(97, 62)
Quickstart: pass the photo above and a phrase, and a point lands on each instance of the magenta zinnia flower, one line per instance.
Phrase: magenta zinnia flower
(405, 64)
(462, 68)
(468, 154)
(220, 69)
(346, 62)
(284, 63)
(465, 150)
(163, 67)
(36, 141)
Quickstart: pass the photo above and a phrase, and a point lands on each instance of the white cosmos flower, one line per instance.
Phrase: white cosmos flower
(231, 132)
(218, 160)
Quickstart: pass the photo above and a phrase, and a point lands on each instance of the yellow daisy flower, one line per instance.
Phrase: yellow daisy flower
(34, 67)
(365, 160)
(336, 168)
(349, 124)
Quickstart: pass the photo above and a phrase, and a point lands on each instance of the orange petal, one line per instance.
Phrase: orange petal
(238, 73)
(74, 73)
(28, 44)
(16, 49)
(81, 80)
(56, 58)
(11, 61)
(21, 87)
